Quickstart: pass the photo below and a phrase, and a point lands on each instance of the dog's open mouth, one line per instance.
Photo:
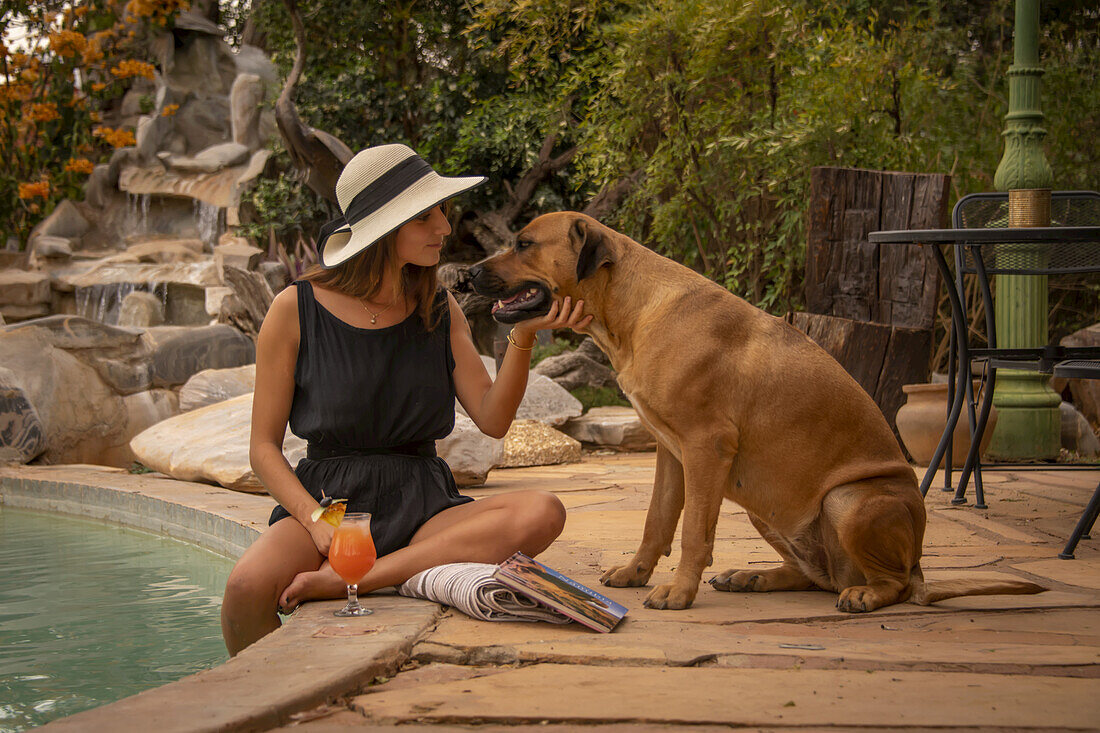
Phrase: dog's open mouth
(530, 301)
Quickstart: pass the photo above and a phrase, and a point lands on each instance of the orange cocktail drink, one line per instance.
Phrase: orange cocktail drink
(352, 555)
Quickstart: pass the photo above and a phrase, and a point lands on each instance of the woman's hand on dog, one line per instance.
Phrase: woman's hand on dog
(562, 314)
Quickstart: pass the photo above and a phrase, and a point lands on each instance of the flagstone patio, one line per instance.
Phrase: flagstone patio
(773, 660)
(766, 661)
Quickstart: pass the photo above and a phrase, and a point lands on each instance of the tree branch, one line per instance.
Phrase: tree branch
(609, 197)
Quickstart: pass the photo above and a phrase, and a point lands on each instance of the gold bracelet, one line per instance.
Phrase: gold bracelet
(512, 341)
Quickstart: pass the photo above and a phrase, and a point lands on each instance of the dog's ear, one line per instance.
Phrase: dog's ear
(594, 251)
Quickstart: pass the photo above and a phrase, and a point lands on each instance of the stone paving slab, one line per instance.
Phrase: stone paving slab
(1083, 572)
(964, 641)
(758, 697)
(344, 720)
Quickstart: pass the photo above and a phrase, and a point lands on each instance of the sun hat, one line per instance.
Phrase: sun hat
(380, 190)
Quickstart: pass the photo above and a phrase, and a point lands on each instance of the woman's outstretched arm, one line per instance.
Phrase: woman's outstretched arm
(492, 404)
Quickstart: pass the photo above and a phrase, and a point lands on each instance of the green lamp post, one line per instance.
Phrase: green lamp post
(1028, 425)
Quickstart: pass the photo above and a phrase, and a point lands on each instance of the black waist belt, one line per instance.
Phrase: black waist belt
(425, 449)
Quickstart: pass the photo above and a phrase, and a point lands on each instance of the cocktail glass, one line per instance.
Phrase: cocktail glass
(352, 555)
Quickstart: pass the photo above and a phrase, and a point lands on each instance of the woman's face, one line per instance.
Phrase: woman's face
(420, 242)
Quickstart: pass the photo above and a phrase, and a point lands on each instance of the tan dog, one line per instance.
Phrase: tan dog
(744, 407)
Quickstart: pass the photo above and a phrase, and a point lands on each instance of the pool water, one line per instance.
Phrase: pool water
(93, 612)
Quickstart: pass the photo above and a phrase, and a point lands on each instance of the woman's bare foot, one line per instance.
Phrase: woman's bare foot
(310, 586)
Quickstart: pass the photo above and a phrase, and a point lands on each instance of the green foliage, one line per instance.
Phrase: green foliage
(282, 205)
(553, 348)
(721, 107)
(598, 397)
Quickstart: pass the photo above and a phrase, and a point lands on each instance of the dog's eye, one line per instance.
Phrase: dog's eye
(522, 245)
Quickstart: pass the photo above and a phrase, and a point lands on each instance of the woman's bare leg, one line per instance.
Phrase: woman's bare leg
(487, 530)
(267, 567)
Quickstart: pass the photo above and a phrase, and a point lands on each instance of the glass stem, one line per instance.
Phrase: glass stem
(353, 594)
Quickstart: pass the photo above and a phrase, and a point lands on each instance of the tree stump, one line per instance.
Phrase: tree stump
(873, 307)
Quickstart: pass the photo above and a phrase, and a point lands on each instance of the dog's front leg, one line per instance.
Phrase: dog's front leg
(665, 505)
(706, 472)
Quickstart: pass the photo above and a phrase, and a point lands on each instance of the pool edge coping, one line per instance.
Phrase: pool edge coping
(313, 658)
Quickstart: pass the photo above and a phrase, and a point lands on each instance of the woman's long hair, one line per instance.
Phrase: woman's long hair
(361, 277)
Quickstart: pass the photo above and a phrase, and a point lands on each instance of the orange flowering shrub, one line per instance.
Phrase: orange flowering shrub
(38, 189)
(68, 43)
(60, 80)
(79, 165)
(169, 110)
(115, 138)
(156, 11)
(130, 67)
(42, 112)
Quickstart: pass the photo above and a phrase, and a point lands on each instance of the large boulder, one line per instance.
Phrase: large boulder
(531, 443)
(55, 248)
(140, 309)
(143, 410)
(64, 221)
(24, 294)
(216, 385)
(180, 351)
(210, 160)
(574, 369)
(81, 416)
(1086, 392)
(237, 252)
(544, 400)
(547, 402)
(469, 452)
(245, 105)
(209, 444)
(120, 356)
(1077, 435)
(588, 348)
(611, 427)
(22, 436)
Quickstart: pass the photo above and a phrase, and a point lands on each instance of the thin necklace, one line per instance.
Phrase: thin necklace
(373, 315)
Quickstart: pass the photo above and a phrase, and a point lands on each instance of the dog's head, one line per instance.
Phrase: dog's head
(554, 256)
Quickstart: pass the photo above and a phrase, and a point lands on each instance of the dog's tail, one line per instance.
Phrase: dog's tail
(925, 593)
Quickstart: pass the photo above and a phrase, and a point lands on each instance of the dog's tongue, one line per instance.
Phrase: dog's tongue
(521, 295)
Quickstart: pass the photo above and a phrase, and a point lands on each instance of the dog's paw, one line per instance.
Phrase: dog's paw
(626, 576)
(857, 599)
(670, 597)
(738, 581)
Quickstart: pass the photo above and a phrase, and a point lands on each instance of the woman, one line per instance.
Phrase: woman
(364, 357)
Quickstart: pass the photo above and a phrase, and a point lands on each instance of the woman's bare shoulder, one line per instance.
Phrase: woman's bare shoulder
(457, 316)
(282, 314)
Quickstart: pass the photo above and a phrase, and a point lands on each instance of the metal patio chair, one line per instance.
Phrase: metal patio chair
(990, 210)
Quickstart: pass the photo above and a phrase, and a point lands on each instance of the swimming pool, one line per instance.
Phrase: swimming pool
(93, 612)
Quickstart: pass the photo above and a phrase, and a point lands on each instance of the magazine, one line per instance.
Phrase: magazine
(567, 596)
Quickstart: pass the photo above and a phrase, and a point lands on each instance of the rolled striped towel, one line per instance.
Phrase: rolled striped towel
(469, 587)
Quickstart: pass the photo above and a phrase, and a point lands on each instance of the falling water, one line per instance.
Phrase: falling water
(137, 211)
(103, 303)
(144, 212)
(208, 221)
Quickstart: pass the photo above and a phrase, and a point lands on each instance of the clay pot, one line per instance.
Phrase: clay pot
(922, 418)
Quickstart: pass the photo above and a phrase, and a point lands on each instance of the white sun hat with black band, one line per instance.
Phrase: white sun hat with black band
(380, 190)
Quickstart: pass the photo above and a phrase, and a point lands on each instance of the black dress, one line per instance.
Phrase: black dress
(371, 403)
